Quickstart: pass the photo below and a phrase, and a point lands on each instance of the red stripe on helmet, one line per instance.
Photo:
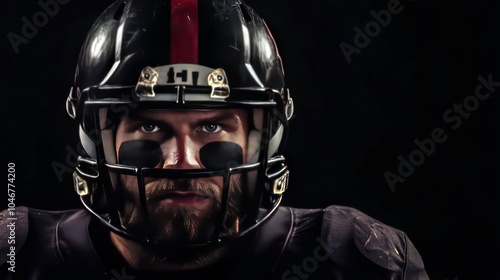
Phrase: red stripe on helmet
(184, 31)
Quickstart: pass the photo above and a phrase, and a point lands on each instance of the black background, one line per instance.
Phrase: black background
(353, 120)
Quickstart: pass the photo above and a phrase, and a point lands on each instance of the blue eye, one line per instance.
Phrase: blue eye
(211, 128)
(149, 128)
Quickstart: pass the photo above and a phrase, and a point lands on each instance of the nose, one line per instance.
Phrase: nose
(181, 152)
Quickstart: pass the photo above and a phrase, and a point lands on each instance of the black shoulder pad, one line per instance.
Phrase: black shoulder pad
(346, 229)
(13, 232)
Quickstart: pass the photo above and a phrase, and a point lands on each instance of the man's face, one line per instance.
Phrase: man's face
(180, 209)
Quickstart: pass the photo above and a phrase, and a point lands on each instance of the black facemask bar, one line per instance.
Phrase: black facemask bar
(140, 173)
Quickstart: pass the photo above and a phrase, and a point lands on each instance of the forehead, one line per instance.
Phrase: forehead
(189, 115)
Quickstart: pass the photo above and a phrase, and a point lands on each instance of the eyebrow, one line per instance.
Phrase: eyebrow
(220, 116)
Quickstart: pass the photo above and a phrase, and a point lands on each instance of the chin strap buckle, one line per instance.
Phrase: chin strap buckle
(281, 183)
(81, 186)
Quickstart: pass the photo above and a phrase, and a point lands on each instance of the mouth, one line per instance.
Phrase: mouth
(183, 198)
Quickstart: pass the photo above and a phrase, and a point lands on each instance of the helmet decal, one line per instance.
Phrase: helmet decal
(184, 31)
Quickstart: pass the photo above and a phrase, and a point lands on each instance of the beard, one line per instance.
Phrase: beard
(184, 223)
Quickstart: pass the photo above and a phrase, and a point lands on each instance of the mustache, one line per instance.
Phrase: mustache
(164, 187)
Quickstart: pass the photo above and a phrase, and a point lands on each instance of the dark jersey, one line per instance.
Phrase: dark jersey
(333, 243)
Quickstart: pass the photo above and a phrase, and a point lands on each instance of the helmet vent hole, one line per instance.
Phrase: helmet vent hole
(119, 11)
(244, 13)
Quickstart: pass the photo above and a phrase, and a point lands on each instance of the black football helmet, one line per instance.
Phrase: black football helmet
(180, 54)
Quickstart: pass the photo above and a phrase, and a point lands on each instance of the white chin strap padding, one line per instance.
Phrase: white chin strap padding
(258, 119)
(107, 137)
(275, 141)
(108, 145)
(254, 139)
(255, 136)
(87, 143)
(253, 146)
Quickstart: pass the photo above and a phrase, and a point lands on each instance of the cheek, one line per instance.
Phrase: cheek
(119, 137)
(127, 193)
(128, 182)
(244, 146)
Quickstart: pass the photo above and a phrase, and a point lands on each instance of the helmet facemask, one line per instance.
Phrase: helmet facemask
(218, 198)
